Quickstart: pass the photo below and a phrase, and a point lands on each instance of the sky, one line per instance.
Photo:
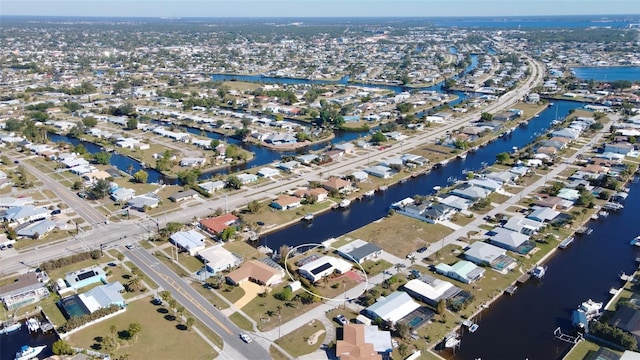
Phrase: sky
(317, 8)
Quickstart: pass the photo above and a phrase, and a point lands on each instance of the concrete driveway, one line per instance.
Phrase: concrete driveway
(251, 290)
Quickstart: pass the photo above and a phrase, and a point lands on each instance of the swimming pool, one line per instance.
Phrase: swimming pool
(72, 306)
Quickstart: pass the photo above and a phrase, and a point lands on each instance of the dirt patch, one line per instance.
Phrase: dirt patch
(313, 339)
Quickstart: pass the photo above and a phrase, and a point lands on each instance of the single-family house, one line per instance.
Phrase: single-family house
(212, 186)
(359, 176)
(26, 289)
(268, 172)
(571, 134)
(191, 241)
(183, 195)
(103, 296)
(393, 307)
(337, 184)
(543, 214)
(383, 172)
(324, 266)
(522, 225)
(485, 183)
(471, 192)
(622, 148)
(360, 251)
(258, 272)
(216, 225)
(122, 194)
(288, 166)
(355, 345)
(507, 239)
(192, 162)
(25, 214)
(84, 277)
(144, 202)
(456, 202)
(463, 270)
(347, 148)
(247, 178)
(431, 290)
(285, 202)
(218, 259)
(482, 253)
(569, 194)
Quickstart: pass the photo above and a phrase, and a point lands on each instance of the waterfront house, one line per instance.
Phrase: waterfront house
(571, 134)
(261, 273)
(212, 186)
(456, 202)
(522, 225)
(320, 193)
(307, 159)
(103, 296)
(267, 172)
(359, 176)
(347, 148)
(360, 251)
(485, 183)
(627, 318)
(482, 253)
(218, 259)
(144, 202)
(511, 240)
(471, 192)
(463, 270)
(337, 184)
(380, 171)
(26, 289)
(437, 213)
(543, 214)
(216, 225)
(431, 290)
(393, 307)
(193, 162)
(504, 177)
(247, 178)
(288, 166)
(285, 202)
(569, 194)
(316, 269)
(553, 202)
(122, 194)
(191, 241)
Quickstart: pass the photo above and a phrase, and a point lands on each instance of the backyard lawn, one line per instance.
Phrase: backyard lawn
(304, 340)
(161, 336)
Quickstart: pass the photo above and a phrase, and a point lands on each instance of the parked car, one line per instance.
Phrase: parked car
(422, 249)
(342, 320)
(411, 255)
(246, 338)
(129, 246)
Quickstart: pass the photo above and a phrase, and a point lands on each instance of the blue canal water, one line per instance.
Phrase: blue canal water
(12, 342)
(608, 73)
(521, 326)
(360, 213)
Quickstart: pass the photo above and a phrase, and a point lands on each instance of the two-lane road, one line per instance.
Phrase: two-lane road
(196, 304)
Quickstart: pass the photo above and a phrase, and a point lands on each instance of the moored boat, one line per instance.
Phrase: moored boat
(9, 328)
(27, 352)
(308, 217)
(590, 308)
(539, 271)
(33, 324)
(344, 203)
(369, 193)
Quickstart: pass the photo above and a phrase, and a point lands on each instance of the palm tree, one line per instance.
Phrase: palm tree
(398, 266)
(190, 322)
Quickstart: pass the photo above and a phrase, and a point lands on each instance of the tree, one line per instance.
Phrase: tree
(403, 349)
(100, 189)
(228, 233)
(486, 116)
(113, 330)
(233, 182)
(502, 157)
(141, 176)
(77, 185)
(90, 121)
(442, 306)
(165, 295)
(134, 329)
(214, 143)
(190, 322)
(80, 149)
(402, 329)
(61, 347)
(378, 137)
(132, 123)
(102, 157)
(254, 206)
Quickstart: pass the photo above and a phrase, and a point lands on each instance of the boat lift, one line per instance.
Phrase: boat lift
(557, 333)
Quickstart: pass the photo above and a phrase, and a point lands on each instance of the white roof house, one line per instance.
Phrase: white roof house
(326, 265)
(488, 184)
(191, 241)
(218, 258)
(122, 194)
(23, 214)
(464, 271)
(360, 175)
(268, 172)
(543, 213)
(522, 225)
(392, 308)
(456, 202)
(103, 296)
(359, 251)
(247, 178)
(212, 186)
(380, 171)
(431, 290)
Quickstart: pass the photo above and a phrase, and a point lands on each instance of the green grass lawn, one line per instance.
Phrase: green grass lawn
(231, 293)
(243, 249)
(296, 343)
(160, 338)
(276, 354)
(581, 350)
(376, 267)
(242, 322)
(210, 296)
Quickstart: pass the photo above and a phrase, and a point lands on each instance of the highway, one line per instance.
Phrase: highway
(197, 305)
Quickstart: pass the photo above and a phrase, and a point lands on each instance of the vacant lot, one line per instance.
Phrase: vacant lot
(400, 235)
(161, 337)
(303, 341)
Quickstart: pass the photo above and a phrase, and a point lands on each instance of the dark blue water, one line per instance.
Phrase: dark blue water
(120, 161)
(608, 73)
(521, 326)
(536, 22)
(361, 213)
(12, 342)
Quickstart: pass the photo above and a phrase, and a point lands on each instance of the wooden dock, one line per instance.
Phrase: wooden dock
(524, 278)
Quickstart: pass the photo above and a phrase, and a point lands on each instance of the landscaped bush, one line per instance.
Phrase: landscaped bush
(69, 260)
(613, 334)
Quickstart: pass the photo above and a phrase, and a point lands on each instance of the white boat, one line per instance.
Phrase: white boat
(462, 156)
(538, 272)
(27, 352)
(451, 340)
(33, 324)
(473, 328)
(383, 188)
(636, 241)
(590, 308)
(6, 329)
(344, 203)
(369, 193)
(566, 242)
(613, 206)
(308, 217)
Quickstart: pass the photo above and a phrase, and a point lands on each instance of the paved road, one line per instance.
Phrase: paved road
(114, 233)
(196, 304)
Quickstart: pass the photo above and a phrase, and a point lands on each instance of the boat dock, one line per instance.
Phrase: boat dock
(557, 333)
(511, 289)
(524, 278)
(566, 242)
